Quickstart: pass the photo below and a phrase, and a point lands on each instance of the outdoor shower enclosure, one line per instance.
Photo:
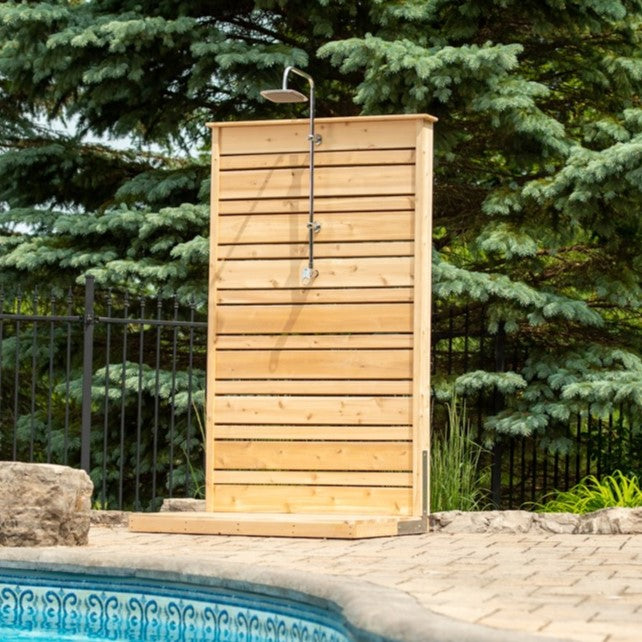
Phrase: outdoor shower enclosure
(318, 393)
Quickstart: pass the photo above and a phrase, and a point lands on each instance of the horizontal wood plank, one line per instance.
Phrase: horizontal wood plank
(309, 341)
(311, 477)
(293, 136)
(313, 318)
(327, 433)
(321, 159)
(327, 205)
(312, 410)
(328, 181)
(321, 250)
(279, 273)
(310, 499)
(312, 387)
(313, 455)
(318, 295)
(314, 364)
(335, 228)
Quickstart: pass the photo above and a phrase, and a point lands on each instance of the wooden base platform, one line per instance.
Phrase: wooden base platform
(277, 524)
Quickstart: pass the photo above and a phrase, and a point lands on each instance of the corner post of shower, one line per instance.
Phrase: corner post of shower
(285, 95)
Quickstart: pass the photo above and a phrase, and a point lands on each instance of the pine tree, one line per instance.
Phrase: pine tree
(538, 173)
(538, 185)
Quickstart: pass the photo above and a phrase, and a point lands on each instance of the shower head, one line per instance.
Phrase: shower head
(284, 96)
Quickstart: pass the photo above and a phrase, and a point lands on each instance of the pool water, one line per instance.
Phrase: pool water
(74, 607)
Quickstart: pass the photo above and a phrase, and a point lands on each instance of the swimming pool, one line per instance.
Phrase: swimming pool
(359, 610)
(79, 607)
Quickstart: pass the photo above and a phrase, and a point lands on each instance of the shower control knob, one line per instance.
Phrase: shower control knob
(308, 275)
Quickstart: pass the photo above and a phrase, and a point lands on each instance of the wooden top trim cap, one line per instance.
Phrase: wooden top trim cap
(347, 119)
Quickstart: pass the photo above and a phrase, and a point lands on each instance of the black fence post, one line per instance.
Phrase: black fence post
(496, 466)
(87, 373)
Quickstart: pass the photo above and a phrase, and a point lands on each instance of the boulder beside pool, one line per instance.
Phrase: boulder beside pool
(44, 505)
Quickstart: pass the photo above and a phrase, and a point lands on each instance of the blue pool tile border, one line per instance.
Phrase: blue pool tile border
(135, 609)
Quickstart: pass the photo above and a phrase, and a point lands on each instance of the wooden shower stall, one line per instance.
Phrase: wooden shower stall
(317, 395)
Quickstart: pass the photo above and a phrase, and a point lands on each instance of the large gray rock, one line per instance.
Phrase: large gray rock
(558, 523)
(43, 505)
(182, 504)
(612, 521)
(109, 518)
(492, 521)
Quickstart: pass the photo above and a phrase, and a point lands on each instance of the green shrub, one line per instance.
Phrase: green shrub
(593, 494)
(456, 483)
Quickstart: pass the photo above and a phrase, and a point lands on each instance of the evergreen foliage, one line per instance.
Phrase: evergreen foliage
(538, 173)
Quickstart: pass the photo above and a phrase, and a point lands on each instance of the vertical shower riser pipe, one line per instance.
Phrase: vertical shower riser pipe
(309, 273)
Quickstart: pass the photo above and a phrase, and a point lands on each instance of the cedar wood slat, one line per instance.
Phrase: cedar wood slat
(312, 477)
(311, 499)
(321, 159)
(336, 227)
(253, 454)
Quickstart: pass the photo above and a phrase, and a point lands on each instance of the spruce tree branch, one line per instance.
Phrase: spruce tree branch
(274, 35)
(555, 253)
(139, 156)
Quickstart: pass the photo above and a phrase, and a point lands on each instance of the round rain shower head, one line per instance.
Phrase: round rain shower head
(284, 96)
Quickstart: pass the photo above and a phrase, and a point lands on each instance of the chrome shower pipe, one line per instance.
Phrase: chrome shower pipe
(308, 273)
(290, 95)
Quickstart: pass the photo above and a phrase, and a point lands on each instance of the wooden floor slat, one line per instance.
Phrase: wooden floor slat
(346, 526)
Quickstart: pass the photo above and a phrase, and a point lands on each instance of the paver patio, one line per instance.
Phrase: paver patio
(576, 587)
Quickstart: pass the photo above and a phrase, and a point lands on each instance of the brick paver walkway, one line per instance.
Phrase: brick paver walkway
(578, 587)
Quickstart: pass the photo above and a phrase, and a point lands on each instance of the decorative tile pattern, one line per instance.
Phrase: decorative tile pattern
(97, 608)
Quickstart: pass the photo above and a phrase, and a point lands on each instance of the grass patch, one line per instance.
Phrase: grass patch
(616, 490)
(456, 483)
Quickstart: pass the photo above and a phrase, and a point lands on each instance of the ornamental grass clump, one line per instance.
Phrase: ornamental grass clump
(616, 490)
(456, 482)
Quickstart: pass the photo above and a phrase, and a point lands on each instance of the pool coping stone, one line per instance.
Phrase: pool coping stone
(373, 613)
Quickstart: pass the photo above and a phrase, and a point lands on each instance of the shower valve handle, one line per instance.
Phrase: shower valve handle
(308, 275)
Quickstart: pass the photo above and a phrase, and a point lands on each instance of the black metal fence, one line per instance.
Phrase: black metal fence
(522, 470)
(128, 406)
